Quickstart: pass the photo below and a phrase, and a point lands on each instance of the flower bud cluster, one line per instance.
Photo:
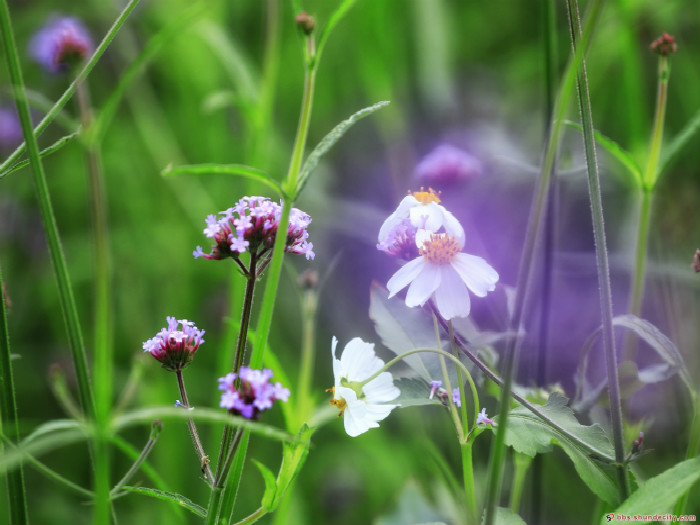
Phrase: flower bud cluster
(62, 43)
(251, 225)
(175, 347)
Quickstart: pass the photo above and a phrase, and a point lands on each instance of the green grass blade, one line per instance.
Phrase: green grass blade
(53, 148)
(679, 142)
(329, 141)
(336, 17)
(229, 169)
(8, 417)
(87, 68)
(177, 499)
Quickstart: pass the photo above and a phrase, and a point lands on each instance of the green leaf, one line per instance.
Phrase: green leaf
(336, 17)
(659, 494)
(329, 140)
(673, 362)
(270, 486)
(612, 147)
(145, 416)
(230, 169)
(177, 499)
(293, 458)
(414, 392)
(529, 435)
(402, 329)
(505, 516)
(679, 142)
(53, 148)
(42, 444)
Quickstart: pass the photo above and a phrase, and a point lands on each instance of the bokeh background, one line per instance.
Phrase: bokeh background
(467, 74)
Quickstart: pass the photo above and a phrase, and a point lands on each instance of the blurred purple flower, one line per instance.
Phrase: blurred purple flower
(483, 419)
(60, 44)
(175, 347)
(253, 394)
(401, 241)
(447, 164)
(455, 397)
(251, 225)
(10, 129)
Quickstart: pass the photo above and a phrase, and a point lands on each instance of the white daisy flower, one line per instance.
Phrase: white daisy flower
(361, 402)
(443, 272)
(424, 211)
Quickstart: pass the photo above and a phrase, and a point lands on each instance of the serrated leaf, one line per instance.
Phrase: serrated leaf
(242, 170)
(586, 394)
(530, 435)
(178, 499)
(612, 147)
(270, 486)
(414, 392)
(659, 494)
(678, 143)
(53, 148)
(329, 141)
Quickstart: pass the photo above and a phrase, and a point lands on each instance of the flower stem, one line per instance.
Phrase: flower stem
(290, 190)
(601, 258)
(245, 313)
(649, 179)
(156, 428)
(526, 263)
(522, 463)
(308, 345)
(446, 378)
(102, 300)
(203, 458)
(468, 477)
(8, 417)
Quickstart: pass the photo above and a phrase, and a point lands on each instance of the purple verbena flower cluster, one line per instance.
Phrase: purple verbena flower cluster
(60, 44)
(253, 393)
(175, 347)
(401, 241)
(251, 225)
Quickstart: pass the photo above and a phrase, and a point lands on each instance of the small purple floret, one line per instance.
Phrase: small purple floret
(253, 394)
(483, 419)
(173, 346)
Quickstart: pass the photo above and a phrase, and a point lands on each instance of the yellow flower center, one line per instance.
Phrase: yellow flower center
(440, 249)
(426, 197)
(339, 403)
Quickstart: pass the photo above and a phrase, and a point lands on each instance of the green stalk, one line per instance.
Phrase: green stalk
(61, 102)
(102, 303)
(156, 429)
(468, 479)
(452, 407)
(8, 418)
(308, 346)
(68, 307)
(649, 179)
(522, 463)
(601, 258)
(290, 190)
(203, 458)
(526, 263)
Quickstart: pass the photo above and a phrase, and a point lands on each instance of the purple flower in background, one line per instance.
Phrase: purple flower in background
(10, 129)
(455, 397)
(60, 44)
(251, 226)
(253, 394)
(447, 164)
(175, 347)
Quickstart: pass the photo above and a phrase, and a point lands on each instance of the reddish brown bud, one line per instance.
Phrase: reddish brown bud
(305, 22)
(696, 261)
(664, 45)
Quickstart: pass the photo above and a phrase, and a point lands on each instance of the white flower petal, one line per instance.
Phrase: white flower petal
(359, 361)
(355, 417)
(476, 273)
(423, 285)
(404, 276)
(401, 213)
(428, 217)
(452, 297)
(422, 236)
(381, 389)
(453, 227)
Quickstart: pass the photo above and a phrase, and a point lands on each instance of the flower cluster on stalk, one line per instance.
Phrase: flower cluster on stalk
(62, 43)
(250, 391)
(251, 226)
(175, 345)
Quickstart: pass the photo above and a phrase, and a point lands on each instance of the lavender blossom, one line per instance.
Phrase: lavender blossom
(447, 164)
(253, 394)
(60, 44)
(175, 347)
